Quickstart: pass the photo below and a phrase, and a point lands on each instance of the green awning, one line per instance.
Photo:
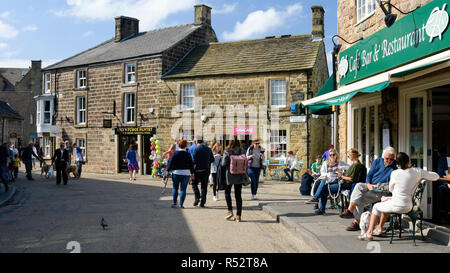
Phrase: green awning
(412, 70)
(326, 88)
(341, 99)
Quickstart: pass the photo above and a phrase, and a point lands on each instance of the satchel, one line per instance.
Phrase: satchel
(247, 180)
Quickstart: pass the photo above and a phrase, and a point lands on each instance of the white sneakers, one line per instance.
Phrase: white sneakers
(215, 198)
(254, 197)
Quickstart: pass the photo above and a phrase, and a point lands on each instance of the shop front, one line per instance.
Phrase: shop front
(394, 90)
(139, 136)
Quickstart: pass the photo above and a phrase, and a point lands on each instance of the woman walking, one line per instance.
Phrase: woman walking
(234, 154)
(255, 157)
(217, 152)
(132, 159)
(182, 169)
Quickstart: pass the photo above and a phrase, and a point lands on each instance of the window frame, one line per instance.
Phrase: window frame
(188, 135)
(278, 155)
(49, 111)
(127, 72)
(81, 111)
(360, 17)
(182, 96)
(47, 83)
(80, 78)
(46, 145)
(271, 94)
(126, 116)
(82, 147)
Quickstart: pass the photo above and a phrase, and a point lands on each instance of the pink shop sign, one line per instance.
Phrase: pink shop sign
(244, 130)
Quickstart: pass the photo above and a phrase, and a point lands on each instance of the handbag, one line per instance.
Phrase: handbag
(247, 180)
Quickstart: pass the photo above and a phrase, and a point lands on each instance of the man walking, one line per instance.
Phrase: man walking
(27, 156)
(380, 172)
(69, 149)
(60, 158)
(203, 157)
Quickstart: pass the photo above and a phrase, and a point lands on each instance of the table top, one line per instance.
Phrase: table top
(445, 178)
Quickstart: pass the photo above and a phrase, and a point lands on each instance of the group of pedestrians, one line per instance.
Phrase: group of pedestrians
(227, 170)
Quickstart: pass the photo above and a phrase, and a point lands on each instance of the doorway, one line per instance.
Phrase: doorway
(124, 142)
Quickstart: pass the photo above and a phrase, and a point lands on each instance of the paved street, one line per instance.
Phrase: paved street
(44, 217)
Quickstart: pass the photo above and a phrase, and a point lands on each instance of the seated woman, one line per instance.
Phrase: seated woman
(328, 172)
(402, 184)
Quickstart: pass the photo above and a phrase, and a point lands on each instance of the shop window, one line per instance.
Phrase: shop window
(277, 93)
(365, 8)
(129, 108)
(278, 144)
(187, 96)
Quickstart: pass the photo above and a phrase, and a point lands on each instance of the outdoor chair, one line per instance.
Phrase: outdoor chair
(414, 214)
(344, 197)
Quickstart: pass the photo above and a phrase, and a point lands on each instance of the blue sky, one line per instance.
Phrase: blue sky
(52, 30)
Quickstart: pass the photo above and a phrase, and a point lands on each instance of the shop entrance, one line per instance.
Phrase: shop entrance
(245, 141)
(124, 142)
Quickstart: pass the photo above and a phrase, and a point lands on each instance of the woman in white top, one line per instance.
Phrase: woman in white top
(402, 185)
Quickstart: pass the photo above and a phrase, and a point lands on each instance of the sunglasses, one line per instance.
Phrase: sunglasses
(257, 143)
(332, 154)
(389, 159)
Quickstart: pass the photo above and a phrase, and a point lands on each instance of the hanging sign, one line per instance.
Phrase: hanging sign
(416, 35)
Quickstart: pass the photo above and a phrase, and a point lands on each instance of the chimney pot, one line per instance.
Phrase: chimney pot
(125, 27)
(318, 31)
(202, 15)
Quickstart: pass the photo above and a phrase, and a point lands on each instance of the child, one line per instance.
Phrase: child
(16, 165)
(315, 167)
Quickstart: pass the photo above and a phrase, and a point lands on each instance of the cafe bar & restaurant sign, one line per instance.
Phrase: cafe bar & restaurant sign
(418, 34)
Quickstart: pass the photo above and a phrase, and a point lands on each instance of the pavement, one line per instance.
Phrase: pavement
(322, 233)
(5, 197)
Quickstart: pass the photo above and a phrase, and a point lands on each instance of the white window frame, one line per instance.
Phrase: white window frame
(81, 110)
(46, 144)
(81, 143)
(49, 111)
(130, 71)
(128, 107)
(276, 139)
(277, 90)
(82, 78)
(188, 135)
(47, 81)
(365, 10)
(191, 95)
(38, 112)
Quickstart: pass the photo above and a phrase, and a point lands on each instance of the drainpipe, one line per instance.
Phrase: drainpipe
(334, 137)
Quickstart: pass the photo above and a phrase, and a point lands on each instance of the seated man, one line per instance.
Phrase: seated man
(306, 184)
(380, 172)
(292, 163)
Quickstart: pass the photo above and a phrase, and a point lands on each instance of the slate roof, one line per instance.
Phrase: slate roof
(272, 54)
(12, 77)
(7, 111)
(144, 44)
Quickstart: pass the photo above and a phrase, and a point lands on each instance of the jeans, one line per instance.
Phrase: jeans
(323, 195)
(79, 168)
(201, 177)
(319, 189)
(178, 180)
(237, 195)
(16, 172)
(254, 173)
(290, 177)
(28, 167)
(214, 175)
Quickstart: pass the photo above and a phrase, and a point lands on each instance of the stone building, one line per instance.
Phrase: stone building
(127, 89)
(393, 81)
(10, 123)
(18, 86)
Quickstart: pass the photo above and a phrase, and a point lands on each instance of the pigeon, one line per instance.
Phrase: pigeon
(103, 224)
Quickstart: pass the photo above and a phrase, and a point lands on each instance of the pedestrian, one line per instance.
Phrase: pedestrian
(3, 162)
(69, 149)
(217, 152)
(35, 151)
(315, 167)
(203, 157)
(182, 169)
(16, 165)
(325, 156)
(132, 159)
(255, 157)
(192, 148)
(60, 159)
(79, 159)
(168, 154)
(27, 155)
(234, 156)
(292, 166)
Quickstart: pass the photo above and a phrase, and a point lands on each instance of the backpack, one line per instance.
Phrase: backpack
(238, 164)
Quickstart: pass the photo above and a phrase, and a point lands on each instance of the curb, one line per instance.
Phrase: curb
(297, 229)
(12, 191)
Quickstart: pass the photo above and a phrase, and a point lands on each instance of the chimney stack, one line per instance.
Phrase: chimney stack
(318, 13)
(125, 27)
(202, 15)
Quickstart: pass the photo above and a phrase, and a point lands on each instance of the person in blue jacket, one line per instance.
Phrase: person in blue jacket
(380, 172)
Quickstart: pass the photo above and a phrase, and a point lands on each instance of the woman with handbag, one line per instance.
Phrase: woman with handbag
(233, 159)
(132, 157)
(255, 157)
(79, 160)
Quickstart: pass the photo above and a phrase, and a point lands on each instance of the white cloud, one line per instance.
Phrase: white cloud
(30, 28)
(7, 31)
(23, 63)
(88, 33)
(261, 22)
(225, 9)
(150, 12)
(3, 45)
(4, 15)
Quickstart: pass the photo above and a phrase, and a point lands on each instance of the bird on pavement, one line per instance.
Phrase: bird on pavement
(103, 224)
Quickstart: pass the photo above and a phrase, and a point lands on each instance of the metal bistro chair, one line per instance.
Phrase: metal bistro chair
(415, 214)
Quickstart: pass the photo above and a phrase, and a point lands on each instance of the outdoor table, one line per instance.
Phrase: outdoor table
(445, 178)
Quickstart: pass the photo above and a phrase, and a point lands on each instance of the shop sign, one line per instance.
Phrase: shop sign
(13, 135)
(297, 118)
(244, 130)
(298, 96)
(135, 131)
(55, 131)
(416, 35)
(107, 123)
